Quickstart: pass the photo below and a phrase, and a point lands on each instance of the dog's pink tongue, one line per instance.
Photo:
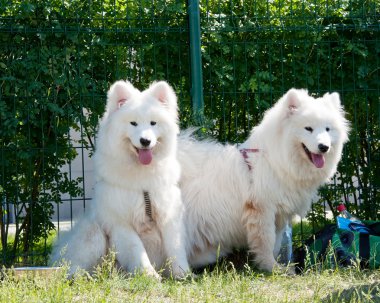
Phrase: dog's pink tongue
(318, 160)
(145, 156)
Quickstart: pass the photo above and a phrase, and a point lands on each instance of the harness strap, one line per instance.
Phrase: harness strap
(148, 205)
(244, 152)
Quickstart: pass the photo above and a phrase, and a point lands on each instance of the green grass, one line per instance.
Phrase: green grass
(223, 284)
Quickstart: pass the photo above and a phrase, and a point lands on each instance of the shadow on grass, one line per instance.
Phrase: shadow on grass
(362, 293)
(237, 261)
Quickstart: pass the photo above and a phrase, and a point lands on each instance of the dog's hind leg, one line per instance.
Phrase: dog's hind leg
(82, 248)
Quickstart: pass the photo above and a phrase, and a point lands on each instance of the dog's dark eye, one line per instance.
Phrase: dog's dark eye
(309, 129)
(133, 123)
(153, 123)
(327, 129)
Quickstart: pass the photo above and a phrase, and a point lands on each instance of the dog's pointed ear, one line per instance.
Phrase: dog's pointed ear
(292, 100)
(334, 99)
(165, 94)
(334, 103)
(119, 93)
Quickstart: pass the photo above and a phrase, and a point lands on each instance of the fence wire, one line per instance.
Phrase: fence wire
(58, 59)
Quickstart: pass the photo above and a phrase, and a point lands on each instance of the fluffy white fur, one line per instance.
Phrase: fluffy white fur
(228, 205)
(136, 152)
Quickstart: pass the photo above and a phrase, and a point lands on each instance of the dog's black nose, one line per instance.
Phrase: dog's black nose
(144, 142)
(323, 148)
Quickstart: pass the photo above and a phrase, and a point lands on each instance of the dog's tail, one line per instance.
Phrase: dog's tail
(196, 133)
(189, 133)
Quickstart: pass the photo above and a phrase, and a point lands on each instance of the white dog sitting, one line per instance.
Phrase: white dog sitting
(137, 209)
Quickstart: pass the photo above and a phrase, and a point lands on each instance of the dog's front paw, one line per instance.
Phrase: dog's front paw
(282, 269)
(152, 273)
(267, 264)
(179, 273)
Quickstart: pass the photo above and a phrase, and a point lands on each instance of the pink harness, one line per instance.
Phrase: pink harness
(244, 152)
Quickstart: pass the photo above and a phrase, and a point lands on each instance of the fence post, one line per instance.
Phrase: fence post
(196, 62)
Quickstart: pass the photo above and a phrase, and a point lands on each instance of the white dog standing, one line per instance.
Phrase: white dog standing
(242, 197)
(137, 209)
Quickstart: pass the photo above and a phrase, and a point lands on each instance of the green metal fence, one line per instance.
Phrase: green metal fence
(58, 58)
